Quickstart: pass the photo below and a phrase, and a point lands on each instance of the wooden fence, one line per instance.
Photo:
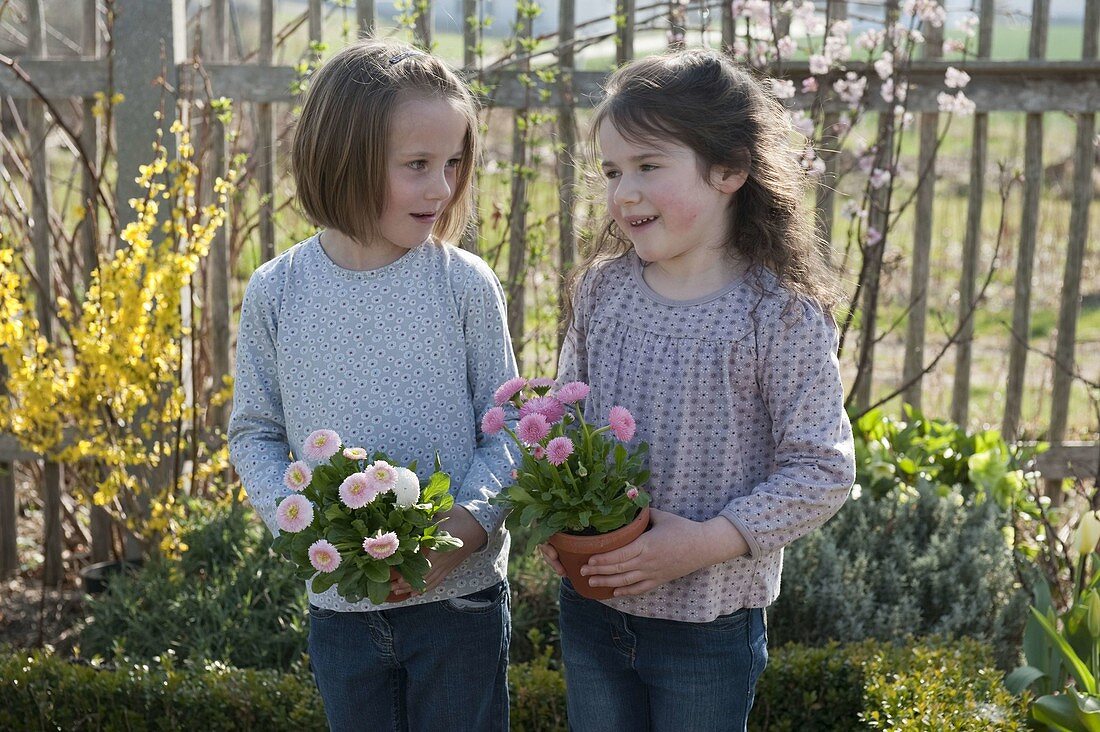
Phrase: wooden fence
(149, 41)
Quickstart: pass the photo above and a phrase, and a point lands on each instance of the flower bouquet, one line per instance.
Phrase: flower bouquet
(358, 521)
(578, 486)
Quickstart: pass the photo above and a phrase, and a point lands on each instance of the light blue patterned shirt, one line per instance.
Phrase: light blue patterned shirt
(403, 359)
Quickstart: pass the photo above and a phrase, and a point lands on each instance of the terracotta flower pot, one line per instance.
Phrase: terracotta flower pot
(574, 551)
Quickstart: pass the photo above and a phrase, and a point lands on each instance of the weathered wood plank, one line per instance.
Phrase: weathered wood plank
(365, 17)
(1070, 460)
(825, 204)
(913, 363)
(624, 36)
(148, 44)
(517, 219)
(567, 152)
(996, 86)
(265, 137)
(960, 389)
(41, 242)
(873, 254)
(218, 258)
(1029, 233)
(422, 26)
(1084, 157)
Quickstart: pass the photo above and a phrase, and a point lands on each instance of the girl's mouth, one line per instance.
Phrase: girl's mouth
(424, 217)
(641, 221)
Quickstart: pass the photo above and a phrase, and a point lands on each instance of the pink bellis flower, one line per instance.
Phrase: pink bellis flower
(493, 421)
(622, 423)
(508, 389)
(547, 406)
(294, 514)
(321, 445)
(558, 450)
(323, 556)
(382, 546)
(297, 476)
(357, 490)
(572, 392)
(533, 429)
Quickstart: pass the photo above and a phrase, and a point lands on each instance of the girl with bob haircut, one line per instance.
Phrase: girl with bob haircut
(703, 308)
(379, 328)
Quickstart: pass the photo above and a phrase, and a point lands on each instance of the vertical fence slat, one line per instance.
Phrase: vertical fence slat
(960, 393)
(624, 33)
(728, 28)
(471, 33)
(265, 137)
(148, 39)
(825, 204)
(517, 220)
(91, 139)
(873, 254)
(1029, 230)
(422, 28)
(315, 22)
(1083, 162)
(567, 150)
(471, 41)
(922, 237)
(43, 265)
(218, 258)
(365, 17)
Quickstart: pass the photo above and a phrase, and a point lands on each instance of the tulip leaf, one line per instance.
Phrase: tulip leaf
(1057, 712)
(1076, 666)
(1088, 710)
(1022, 678)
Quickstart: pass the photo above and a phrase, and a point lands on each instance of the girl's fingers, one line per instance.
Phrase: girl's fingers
(625, 579)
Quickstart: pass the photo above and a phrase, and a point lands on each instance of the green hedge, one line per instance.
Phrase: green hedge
(925, 685)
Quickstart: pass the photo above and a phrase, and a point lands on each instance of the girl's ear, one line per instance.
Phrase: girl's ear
(729, 180)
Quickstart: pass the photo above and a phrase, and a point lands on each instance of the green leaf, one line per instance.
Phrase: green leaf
(323, 581)
(377, 591)
(377, 571)
(438, 485)
(1076, 666)
(1022, 678)
(1059, 713)
(1088, 710)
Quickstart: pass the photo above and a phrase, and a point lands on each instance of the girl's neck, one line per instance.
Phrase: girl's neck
(698, 276)
(348, 253)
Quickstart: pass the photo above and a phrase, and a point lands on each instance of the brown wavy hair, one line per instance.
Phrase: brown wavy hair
(338, 156)
(719, 109)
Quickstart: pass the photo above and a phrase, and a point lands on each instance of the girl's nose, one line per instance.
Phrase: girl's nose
(625, 192)
(440, 189)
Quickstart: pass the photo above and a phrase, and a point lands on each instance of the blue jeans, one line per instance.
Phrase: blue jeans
(624, 672)
(442, 665)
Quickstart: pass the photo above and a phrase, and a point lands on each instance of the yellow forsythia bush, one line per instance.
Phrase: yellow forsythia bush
(113, 392)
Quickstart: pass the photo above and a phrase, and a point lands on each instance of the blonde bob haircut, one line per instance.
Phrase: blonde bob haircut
(338, 156)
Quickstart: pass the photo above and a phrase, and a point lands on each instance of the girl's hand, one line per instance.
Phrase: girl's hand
(673, 547)
(550, 554)
(461, 524)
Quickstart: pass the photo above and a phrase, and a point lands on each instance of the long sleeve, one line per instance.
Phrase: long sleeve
(258, 445)
(489, 363)
(814, 463)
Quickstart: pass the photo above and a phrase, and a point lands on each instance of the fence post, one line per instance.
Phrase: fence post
(922, 237)
(52, 473)
(873, 254)
(1029, 229)
(517, 220)
(422, 26)
(218, 259)
(960, 392)
(471, 42)
(149, 43)
(365, 13)
(1083, 162)
(624, 35)
(825, 205)
(265, 136)
(91, 139)
(567, 152)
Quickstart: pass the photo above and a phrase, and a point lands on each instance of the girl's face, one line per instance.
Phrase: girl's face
(658, 197)
(426, 144)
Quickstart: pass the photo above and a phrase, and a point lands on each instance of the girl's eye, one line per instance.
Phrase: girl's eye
(647, 166)
(453, 163)
(610, 174)
(418, 164)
